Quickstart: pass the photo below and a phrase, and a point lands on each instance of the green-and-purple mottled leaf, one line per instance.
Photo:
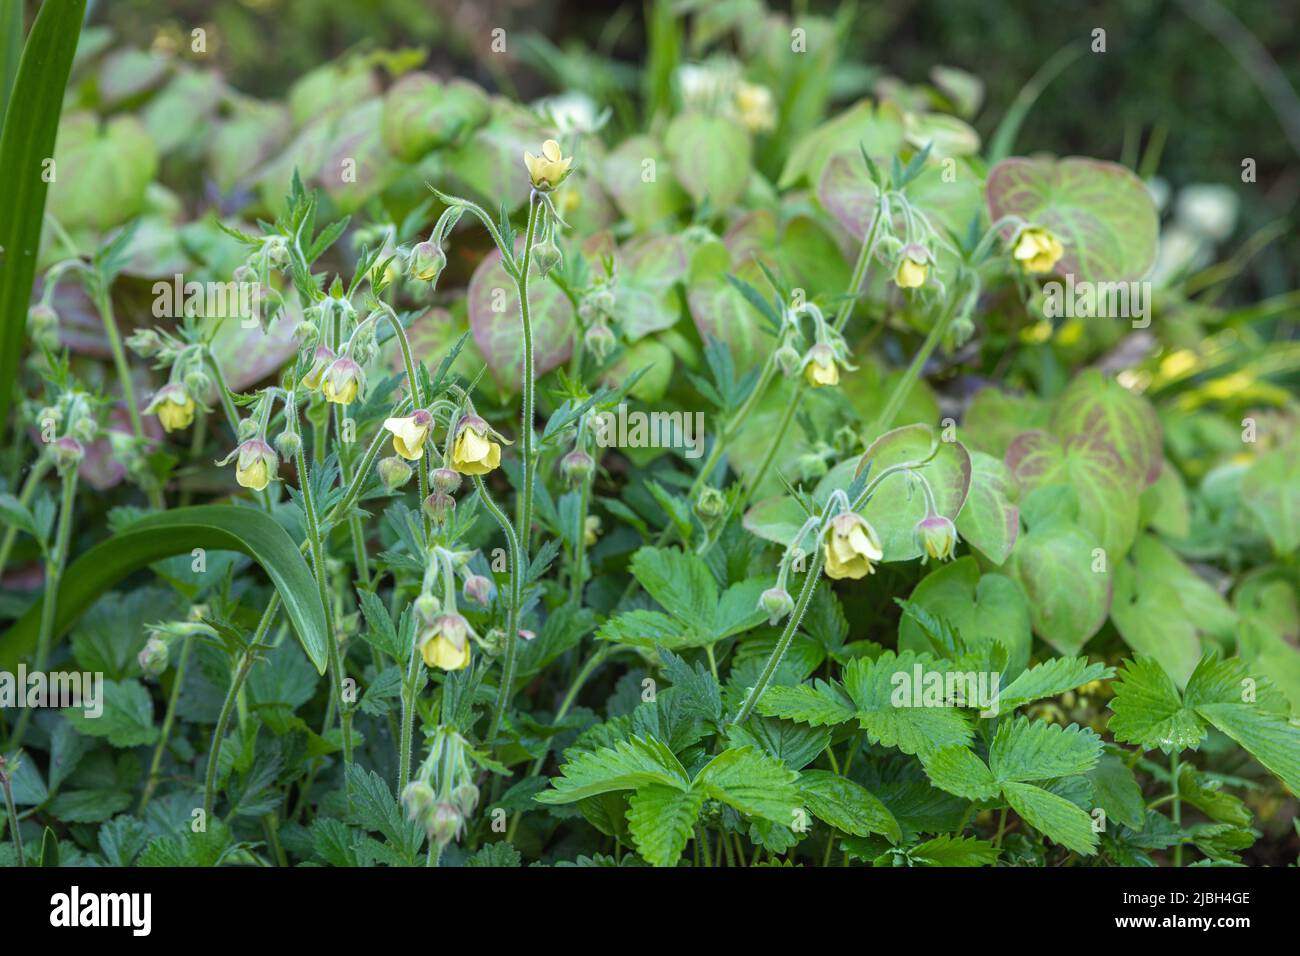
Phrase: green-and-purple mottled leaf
(846, 191)
(719, 310)
(895, 508)
(710, 157)
(624, 176)
(1068, 600)
(1094, 406)
(498, 333)
(876, 128)
(1101, 212)
(989, 522)
(1108, 499)
(649, 267)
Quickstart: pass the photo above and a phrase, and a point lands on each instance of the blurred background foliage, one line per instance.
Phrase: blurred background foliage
(1175, 84)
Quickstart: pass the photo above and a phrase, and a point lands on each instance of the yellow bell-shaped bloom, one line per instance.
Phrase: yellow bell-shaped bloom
(409, 433)
(474, 452)
(342, 381)
(445, 644)
(821, 369)
(851, 547)
(256, 465)
(173, 406)
(1037, 250)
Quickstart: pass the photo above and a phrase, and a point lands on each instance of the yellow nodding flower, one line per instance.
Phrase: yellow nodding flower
(549, 169)
(474, 451)
(913, 267)
(821, 369)
(445, 643)
(322, 358)
(409, 433)
(173, 406)
(851, 547)
(256, 465)
(1036, 249)
(342, 381)
(755, 108)
(591, 530)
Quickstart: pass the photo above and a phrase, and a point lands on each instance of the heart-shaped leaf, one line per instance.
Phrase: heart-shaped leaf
(1101, 212)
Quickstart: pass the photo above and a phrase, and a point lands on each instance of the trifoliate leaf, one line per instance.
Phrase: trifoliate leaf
(1149, 711)
(752, 782)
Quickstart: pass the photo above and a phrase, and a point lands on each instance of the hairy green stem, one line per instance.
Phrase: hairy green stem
(529, 382)
(783, 643)
(576, 575)
(169, 718)
(223, 721)
(12, 811)
(56, 560)
(104, 304)
(408, 722)
(1178, 804)
(517, 571)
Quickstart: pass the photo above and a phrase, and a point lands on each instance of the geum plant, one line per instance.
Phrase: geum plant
(870, 619)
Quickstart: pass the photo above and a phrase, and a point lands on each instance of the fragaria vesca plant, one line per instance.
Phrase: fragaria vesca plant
(738, 476)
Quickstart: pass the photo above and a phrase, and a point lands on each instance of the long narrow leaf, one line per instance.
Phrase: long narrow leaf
(212, 527)
(30, 128)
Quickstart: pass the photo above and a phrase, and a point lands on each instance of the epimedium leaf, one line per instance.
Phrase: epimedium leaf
(988, 521)
(1102, 213)
(1094, 406)
(180, 531)
(710, 157)
(895, 507)
(1068, 590)
(1271, 490)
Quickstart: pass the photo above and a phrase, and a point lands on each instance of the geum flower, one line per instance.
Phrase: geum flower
(445, 643)
(257, 463)
(913, 266)
(549, 169)
(851, 547)
(409, 433)
(1036, 249)
(173, 406)
(322, 358)
(820, 368)
(474, 452)
(936, 536)
(342, 381)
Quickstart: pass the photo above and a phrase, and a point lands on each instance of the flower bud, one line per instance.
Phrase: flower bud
(85, 429)
(417, 797)
(478, 589)
(173, 406)
(776, 603)
(198, 382)
(427, 607)
(913, 266)
(591, 530)
(144, 342)
(427, 261)
(576, 467)
(789, 360)
(438, 506)
(819, 366)
(343, 381)
(547, 256)
(394, 472)
(444, 823)
(445, 480)
(43, 323)
(153, 656)
(599, 341)
(288, 444)
(936, 536)
(67, 452)
(710, 505)
(465, 797)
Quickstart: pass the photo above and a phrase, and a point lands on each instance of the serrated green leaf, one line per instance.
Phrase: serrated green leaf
(912, 727)
(660, 820)
(1055, 817)
(1270, 737)
(959, 771)
(629, 765)
(946, 850)
(1025, 750)
(753, 783)
(819, 704)
(846, 805)
(1148, 710)
(1049, 679)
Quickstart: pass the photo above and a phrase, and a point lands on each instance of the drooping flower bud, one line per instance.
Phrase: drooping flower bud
(153, 656)
(257, 463)
(427, 261)
(547, 255)
(576, 467)
(478, 589)
(445, 480)
(936, 535)
(474, 451)
(67, 452)
(288, 444)
(427, 607)
(599, 340)
(789, 360)
(776, 603)
(710, 505)
(591, 530)
(394, 472)
(912, 267)
(438, 506)
(445, 643)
